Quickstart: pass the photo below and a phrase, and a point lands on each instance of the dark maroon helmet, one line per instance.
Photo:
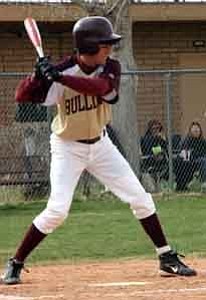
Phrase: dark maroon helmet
(90, 32)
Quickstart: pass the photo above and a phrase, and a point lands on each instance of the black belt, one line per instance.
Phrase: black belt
(91, 141)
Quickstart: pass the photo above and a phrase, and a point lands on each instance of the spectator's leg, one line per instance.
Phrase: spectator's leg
(184, 171)
(201, 165)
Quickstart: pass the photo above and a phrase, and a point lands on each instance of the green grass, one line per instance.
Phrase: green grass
(105, 229)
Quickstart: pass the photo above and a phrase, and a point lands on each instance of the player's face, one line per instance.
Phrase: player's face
(102, 55)
(99, 58)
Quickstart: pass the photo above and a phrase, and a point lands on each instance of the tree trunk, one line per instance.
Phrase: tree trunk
(125, 112)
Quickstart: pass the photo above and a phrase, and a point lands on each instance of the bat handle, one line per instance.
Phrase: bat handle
(40, 51)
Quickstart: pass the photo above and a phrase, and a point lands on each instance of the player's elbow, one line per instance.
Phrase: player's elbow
(111, 97)
(21, 94)
(19, 97)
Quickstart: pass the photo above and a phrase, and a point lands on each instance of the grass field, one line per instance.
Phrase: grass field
(105, 229)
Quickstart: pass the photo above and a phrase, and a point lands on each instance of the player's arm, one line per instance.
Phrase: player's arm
(32, 90)
(35, 88)
(90, 86)
(106, 85)
(112, 73)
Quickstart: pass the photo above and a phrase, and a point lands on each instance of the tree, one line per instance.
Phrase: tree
(125, 112)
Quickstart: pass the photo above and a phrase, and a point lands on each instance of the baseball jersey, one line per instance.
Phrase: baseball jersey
(82, 109)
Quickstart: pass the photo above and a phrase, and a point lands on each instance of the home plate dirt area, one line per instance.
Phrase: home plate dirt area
(122, 280)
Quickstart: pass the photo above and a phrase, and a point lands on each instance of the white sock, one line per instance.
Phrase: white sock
(163, 249)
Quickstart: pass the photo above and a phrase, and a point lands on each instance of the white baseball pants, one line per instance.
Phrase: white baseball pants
(104, 161)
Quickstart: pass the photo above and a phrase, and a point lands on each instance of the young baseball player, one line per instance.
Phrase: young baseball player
(84, 87)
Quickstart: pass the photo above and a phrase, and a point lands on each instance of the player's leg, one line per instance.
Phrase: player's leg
(66, 168)
(114, 171)
(110, 167)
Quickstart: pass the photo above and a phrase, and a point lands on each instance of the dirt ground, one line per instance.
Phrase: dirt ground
(122, 280)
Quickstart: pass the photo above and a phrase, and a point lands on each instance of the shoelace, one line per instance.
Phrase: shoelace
(180, 255)
(179, 261)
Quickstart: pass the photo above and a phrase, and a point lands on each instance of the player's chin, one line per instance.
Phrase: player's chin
(104, 61)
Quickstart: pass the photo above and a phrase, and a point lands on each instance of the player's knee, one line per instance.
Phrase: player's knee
(58, 216)
(50, 219)
(143, 207)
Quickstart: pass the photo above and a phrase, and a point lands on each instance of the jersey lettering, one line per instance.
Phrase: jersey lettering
(88, 105)
(81, 103)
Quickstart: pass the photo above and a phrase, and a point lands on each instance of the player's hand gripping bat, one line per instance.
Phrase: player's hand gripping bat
(34, 35)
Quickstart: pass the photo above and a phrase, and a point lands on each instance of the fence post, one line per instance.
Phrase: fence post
(137, 167)
(168, 77)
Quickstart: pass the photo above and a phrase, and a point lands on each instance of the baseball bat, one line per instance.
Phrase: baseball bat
(34, 35)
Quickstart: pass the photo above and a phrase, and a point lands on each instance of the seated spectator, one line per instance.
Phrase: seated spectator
(154, 150)
(192, 158)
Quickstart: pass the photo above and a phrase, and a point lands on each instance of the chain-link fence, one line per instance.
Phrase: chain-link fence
(171, 126)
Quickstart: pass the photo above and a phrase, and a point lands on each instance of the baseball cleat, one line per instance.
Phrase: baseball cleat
(12, 272)
(170, 264)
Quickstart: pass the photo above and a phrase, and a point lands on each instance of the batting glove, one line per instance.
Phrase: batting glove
(45, 69)
(51, 73)
(41, 61)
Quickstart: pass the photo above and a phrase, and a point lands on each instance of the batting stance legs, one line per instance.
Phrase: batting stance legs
(69, 159)
(105, 162)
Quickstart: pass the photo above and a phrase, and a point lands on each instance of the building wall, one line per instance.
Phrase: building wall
(159, 45)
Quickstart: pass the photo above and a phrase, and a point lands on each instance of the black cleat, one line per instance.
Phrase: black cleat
(12, 272)
(171, 264)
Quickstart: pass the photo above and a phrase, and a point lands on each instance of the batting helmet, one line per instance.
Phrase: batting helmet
(90, 32)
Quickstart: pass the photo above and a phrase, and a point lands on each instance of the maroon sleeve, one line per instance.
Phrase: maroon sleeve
(32, 90)
(90, 86)
(101, 85)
